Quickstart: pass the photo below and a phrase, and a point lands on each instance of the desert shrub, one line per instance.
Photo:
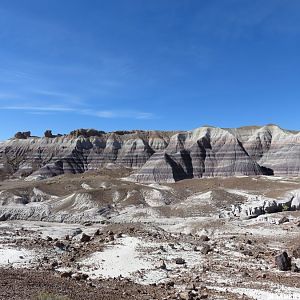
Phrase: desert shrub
(285, 207)
(48, 296)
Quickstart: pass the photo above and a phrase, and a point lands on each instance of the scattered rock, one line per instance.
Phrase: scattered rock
(80, 276)
(172, 246)
(49, 239)
(59, 244)
(87, 224)
(180, 261)
(85, 238)
(67, 274)
(204, 238)
(294, 268)
(206, 249)
(170, 284)
(283, 262)
(283, 220)
(161, 265)
(54, 264)
(248, 252)
(296, 252)
(162, 248)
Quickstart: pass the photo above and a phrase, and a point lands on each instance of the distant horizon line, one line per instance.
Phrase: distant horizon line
(129, 131)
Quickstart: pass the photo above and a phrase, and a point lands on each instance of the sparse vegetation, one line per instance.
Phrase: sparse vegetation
(285, 207)
(49, 296)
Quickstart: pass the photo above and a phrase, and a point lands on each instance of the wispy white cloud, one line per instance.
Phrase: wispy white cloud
(130, 114)
(51, 93)
(8, 96)
(39, 108)
(107, 114)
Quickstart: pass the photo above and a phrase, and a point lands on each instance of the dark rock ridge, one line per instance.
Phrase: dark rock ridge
(155, 156)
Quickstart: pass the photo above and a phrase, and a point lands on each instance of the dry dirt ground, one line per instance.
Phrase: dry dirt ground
(155, 242)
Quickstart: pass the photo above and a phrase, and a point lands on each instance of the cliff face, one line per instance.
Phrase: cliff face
(78, 152)
(156, 155)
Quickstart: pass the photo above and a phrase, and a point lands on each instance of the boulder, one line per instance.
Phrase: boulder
(22, 135)
(48, 134)
(283, 262)
(85, 238)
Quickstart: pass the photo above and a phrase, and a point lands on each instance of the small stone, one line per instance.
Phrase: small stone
(204, 238)
(49, 239)
(180, 261)
(294, 268)
(296, 252)
(87, 224)
(248, 252)
(54, 264)
(59, 244)
(245, 274)
(162, 248)
(206, 249)
(161, 265)
(170, 283)
(172, 246)
(85, 238)
(283, 220)
(66, 274)
(97, 232)
(80, 276)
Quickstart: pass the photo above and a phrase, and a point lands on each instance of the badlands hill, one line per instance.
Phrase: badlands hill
(155, 156)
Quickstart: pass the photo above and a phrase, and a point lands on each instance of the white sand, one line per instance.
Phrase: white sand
(122, 259)
(14, 257)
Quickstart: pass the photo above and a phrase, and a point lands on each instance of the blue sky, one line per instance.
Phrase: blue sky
(139, 64)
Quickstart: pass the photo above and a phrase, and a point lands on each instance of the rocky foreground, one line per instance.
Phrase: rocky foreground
(155, 156)
(98, 236)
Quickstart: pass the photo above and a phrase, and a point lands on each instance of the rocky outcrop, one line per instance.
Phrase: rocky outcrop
(156, 155)
(22, 135)
(259, 205)
(204, 152)
(77, 152)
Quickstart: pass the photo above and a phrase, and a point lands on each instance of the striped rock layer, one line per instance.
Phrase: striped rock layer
(157, 156)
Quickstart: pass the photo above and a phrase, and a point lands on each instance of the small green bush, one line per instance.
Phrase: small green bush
(285, 207)
(48, 296)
